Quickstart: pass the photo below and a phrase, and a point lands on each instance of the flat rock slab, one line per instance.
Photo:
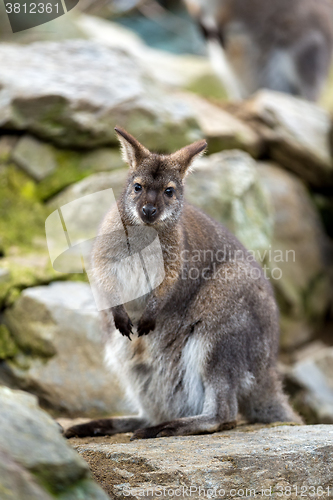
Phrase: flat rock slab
(271, 461)
(296, 132)
(73, 94)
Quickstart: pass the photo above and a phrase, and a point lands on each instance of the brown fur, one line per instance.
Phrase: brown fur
(204, 342)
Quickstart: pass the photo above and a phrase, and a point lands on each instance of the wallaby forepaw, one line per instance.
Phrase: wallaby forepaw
(145, 326)
(124, 325)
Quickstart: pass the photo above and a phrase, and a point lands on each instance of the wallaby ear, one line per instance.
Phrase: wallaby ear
(185, 156)
(132, 150)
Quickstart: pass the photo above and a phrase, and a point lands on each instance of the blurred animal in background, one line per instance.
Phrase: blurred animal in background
(282, 45)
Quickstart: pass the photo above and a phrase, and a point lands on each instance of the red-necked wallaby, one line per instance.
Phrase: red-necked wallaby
(282, 45)
(204, 342)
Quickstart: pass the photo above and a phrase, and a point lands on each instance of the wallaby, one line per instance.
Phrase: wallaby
(204, 342)
(282, 45)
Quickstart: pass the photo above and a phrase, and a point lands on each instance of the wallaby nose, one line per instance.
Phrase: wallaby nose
(149, 210)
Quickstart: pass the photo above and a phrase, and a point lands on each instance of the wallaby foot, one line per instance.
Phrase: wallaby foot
(201, 424)
(105, 427)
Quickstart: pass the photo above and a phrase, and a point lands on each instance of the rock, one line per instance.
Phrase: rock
(57, 99)
(297, 134)
(17, 483)
(25, 270)
(35, 461)
(222, 129)
(184, 71)
(324, 203)
(34, 157)
(56, 328)
(83, 206)
(73, 166)
(8, 348)
(296, 257)
(7, 143)
(314, 374)
(22, 217)
(92, 184)
(227, 187)
(270, 461)
(4, 275)
(102, 160)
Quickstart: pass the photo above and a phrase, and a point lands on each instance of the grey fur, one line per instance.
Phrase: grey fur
(204, 343)
(283, 45)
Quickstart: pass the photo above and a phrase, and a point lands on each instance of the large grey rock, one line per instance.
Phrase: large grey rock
(97, 182)
(57, 327)
(35, 157)
(221, 128)
(227, 186)
(36, 463)
(83, 206)
(297, 133)
(296, 257)
(273, 459)
(17, 483)
(314, 374)
(74, 93)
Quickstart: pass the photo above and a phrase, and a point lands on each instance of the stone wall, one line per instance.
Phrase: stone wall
(268, 176)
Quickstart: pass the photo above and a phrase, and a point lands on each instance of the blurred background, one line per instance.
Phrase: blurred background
(256, 82)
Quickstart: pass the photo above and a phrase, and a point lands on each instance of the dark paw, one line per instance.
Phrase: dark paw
(123, 324)
(157, 431)
(76, 431)
(145, 326)
(92, 428)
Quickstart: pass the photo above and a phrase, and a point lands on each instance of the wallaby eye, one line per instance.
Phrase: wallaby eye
(169, 192)
(137, 187)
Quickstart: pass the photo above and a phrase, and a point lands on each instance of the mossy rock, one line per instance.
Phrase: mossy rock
(23, 249)
(8, 347)
(209, 86)
(26, 270)
(22, 227)
(22, 217)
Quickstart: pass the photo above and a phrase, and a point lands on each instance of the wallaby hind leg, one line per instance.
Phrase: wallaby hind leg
(266, 403)
(106, 427)
(200, 424)
(219, 413)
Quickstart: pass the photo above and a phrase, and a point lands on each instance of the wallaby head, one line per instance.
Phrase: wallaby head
(154, 191)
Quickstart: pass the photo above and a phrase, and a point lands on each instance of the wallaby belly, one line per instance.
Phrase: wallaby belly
(159, 382)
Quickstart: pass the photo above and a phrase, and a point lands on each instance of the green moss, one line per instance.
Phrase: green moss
(209, 86)
(26, 270)
(22, 217)
(73, 166)
(8, 348)
(69, 170)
